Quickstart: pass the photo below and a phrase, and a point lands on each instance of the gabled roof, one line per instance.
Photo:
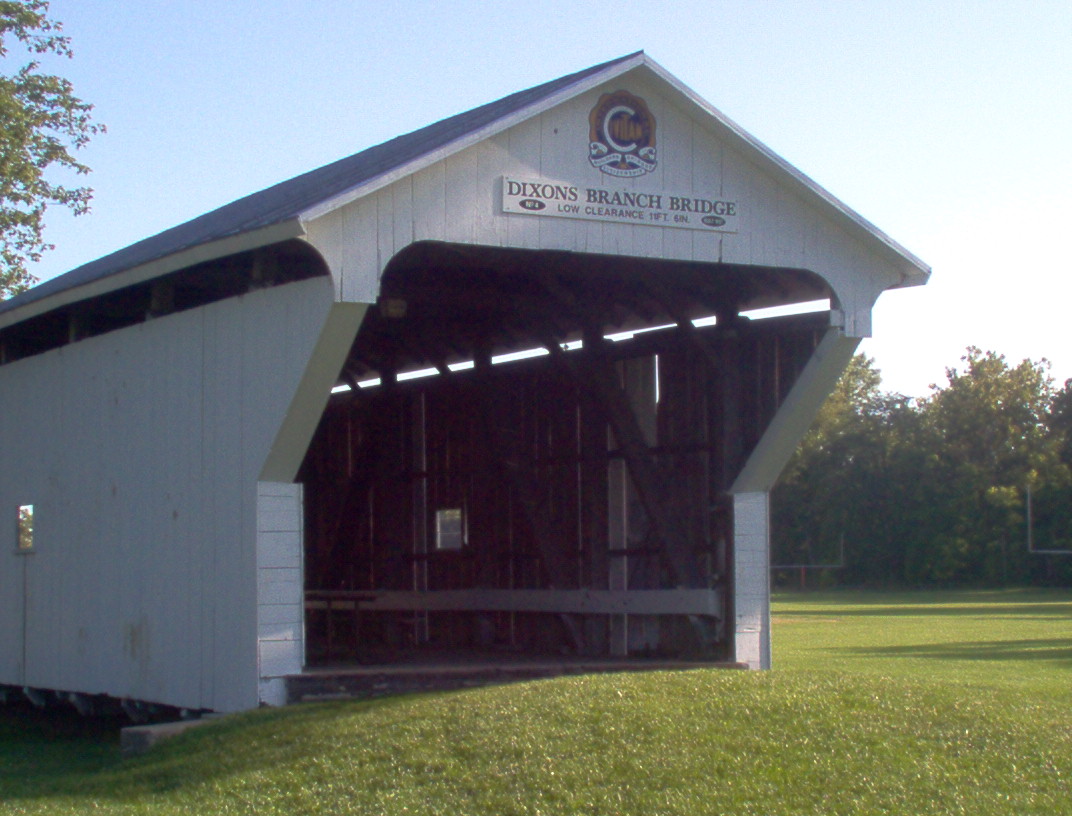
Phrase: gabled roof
(290, 199)
(319, 191)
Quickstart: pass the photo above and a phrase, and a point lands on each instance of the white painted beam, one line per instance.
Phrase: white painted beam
(307, 406)
(796, 413)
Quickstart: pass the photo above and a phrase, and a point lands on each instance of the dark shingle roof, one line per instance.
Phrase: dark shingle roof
(288, 199)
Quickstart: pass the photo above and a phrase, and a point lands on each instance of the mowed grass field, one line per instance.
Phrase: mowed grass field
(917, 703)
(1010, 639)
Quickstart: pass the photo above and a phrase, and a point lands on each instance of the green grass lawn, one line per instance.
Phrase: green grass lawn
(1010, 639)
(921, 703)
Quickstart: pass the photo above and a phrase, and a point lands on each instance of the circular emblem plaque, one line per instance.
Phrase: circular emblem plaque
(621, 135)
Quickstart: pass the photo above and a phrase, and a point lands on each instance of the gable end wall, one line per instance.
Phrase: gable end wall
(458, 200)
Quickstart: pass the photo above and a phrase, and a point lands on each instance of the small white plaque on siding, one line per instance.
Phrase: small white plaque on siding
(681, 209)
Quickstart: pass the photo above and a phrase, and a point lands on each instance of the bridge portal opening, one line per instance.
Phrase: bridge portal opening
(530, 452)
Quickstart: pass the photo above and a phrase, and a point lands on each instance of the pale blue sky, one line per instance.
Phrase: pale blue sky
(948, 124)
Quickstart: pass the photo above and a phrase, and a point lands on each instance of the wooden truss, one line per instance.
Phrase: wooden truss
(592, 478)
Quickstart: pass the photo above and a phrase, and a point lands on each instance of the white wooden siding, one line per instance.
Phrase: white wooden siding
(280, 588)
(140, 450)
(458, 200)
(751, 568)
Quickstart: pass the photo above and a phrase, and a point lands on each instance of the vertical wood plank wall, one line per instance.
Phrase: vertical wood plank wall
(458, 200)
(524, 452)
(751, 567)
(280, 588)
(143, 583)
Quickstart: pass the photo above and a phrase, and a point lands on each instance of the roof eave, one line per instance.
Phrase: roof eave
(241, 242)
(914, 272)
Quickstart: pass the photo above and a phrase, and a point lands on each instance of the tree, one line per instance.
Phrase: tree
(41, 123)
(934, 492)
(991, 422)
(842, 487)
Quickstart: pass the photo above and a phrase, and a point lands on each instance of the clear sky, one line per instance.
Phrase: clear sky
(947, 123)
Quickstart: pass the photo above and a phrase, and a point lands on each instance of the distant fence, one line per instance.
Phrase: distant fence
(802, 569)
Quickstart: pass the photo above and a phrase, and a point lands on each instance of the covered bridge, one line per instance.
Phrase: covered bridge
(497, 385)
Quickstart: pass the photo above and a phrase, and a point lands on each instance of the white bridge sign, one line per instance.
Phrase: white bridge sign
(657, 209)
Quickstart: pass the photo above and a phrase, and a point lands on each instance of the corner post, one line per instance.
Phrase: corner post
(751, 573)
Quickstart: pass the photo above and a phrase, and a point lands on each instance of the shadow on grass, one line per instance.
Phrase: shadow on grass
(56, 753)
(1049, 611)
(1053, 650)
(37, 747)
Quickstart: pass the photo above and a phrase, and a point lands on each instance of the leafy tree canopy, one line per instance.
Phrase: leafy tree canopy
(41, 123)
(947, 490)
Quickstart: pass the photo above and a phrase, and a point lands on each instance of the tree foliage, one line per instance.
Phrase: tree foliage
(934, 491)
(41, 123)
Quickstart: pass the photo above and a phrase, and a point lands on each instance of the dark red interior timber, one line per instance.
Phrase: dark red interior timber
(601, 465)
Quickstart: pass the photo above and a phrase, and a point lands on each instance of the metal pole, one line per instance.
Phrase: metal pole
(1030, 523)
